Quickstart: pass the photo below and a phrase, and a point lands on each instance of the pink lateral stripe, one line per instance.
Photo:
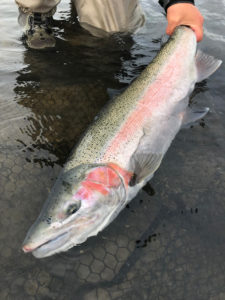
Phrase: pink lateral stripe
(101, 179)
(104, 175)
(93, 186)
(154, 97)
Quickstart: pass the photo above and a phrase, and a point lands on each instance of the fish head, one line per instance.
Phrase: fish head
(82, 202)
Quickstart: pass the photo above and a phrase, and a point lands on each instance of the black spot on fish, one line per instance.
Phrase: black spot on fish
(49, 220)
(67, 186)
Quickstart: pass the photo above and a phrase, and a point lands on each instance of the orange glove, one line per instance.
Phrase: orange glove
(185, 14)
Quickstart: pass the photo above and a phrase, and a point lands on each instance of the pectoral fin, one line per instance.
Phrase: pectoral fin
(144, 165)
(145, 160)
(206, 65)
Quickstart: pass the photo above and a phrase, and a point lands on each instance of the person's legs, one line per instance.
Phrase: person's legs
(35, 17)
(104, 17)
(38, 6)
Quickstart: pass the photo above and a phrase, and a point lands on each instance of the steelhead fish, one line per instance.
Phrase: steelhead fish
(122, 149)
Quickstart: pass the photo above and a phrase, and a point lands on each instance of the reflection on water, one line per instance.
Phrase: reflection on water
(65, 88)
(168, 243)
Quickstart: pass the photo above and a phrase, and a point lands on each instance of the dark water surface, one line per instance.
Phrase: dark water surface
(169, 243)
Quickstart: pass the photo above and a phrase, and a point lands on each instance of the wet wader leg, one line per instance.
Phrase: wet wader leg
(35, 17)
(104, 17)
(38, 6)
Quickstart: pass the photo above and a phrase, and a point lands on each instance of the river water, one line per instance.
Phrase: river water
(169, 242)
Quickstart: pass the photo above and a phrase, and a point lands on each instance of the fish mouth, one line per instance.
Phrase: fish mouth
(54, 243)
(46, 248)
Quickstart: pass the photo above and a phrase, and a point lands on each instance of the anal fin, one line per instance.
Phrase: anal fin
(191, 116)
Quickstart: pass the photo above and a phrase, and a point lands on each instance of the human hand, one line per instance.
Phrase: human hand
(185, 14)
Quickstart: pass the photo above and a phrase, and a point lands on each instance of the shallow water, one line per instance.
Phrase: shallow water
(169, 242)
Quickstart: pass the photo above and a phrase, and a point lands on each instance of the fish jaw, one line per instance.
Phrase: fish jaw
(45, 249)
(46, 242)
(102, 194)
(49, 241)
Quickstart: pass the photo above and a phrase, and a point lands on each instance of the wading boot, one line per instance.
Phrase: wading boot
(38, 34)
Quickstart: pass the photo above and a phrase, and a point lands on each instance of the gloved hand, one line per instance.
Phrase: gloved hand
(185, 14)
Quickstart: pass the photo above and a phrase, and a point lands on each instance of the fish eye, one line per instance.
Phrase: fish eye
(73, 208)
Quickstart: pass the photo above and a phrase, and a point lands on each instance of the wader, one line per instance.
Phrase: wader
(99, 17)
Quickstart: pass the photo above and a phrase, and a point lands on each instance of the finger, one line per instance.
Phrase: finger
(170, 29)
(198, 30)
